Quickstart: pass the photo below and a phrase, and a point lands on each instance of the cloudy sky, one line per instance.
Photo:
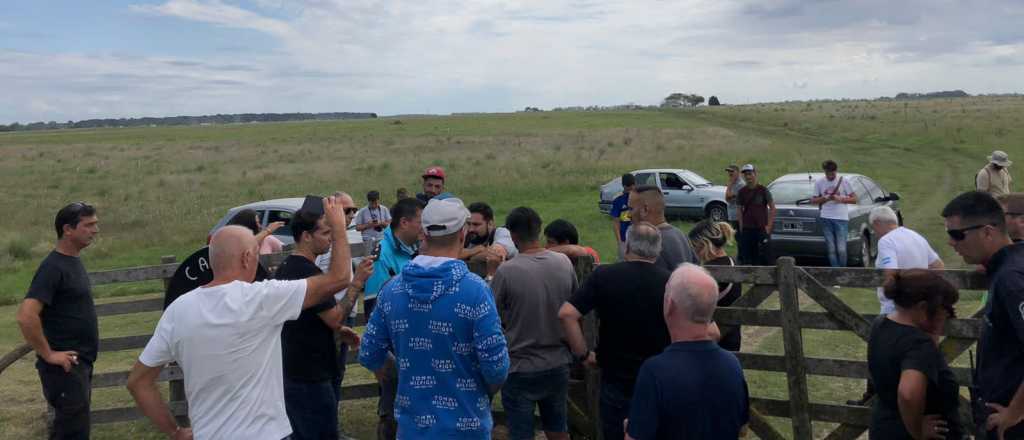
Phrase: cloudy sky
(74, 59)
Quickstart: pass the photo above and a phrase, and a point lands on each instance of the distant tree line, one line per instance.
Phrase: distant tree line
(932, 95)
(188, 120)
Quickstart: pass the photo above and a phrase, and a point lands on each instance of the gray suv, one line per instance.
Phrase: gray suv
(687, 194)
(796, 231)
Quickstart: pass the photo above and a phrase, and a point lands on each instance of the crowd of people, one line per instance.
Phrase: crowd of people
(266, 359)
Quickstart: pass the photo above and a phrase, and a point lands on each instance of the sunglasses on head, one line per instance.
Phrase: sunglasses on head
(960, 234)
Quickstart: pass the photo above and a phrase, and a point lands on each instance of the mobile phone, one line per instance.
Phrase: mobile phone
(376, 250)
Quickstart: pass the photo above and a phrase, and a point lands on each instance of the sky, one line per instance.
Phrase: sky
(70, 59)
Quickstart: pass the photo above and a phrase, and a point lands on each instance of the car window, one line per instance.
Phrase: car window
(670, 181)
(863, 196)
(646, 179)
(788, 193)
(693, 178)
(872, 188)
(275, 215)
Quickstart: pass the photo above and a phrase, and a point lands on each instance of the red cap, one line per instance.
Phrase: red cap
(437, 172)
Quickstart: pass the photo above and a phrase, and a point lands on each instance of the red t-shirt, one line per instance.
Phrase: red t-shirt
(755, 206)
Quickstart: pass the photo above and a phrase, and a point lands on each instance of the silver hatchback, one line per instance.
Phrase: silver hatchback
(797, 232)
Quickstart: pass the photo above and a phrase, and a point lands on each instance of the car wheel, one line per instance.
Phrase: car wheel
(865, 250)
(717, 212)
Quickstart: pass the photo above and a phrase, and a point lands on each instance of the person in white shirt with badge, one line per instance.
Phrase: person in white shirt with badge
(832, 194)
(899, 248)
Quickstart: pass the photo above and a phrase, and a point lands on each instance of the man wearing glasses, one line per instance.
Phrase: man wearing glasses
(58, 319)
(977, 229)
(1013, 208)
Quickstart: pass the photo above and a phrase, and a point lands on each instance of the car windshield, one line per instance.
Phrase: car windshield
(694, 179)
(789, 193)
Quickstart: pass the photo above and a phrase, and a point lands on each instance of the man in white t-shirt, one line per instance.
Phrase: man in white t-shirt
(899, 248)
(832, 193)
(226, 336)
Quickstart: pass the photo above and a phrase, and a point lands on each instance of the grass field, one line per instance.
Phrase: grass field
(159, 190)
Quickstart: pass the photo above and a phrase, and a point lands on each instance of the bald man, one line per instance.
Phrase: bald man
(647, 204)
(226, 336)
(694, 389)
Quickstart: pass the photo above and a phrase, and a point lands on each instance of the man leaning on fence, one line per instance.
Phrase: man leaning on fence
(226, 337)
(441, 323)
(628, 298)
(976, 227)
(58, 320)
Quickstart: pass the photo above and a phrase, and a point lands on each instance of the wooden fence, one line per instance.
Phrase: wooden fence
(761, 283)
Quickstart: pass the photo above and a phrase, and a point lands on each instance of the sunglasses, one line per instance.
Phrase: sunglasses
(960, 234)
(350, 211)
(1014, 214)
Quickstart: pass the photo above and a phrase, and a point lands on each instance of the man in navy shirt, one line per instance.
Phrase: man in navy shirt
(620, 212)
(694, 389)
(976, 226)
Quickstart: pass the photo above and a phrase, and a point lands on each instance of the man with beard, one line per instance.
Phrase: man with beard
(484, 241)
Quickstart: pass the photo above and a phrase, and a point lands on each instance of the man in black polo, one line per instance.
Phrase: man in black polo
(628, 298)
(307, 344)
(977, 231)
(58, 319)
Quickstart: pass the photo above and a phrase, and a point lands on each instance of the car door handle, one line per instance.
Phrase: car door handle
(665, 193)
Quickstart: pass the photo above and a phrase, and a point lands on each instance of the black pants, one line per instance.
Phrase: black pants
(69, 394)
(753, 247)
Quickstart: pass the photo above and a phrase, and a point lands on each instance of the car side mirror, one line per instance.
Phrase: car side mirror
(894, 197)
(687, 188)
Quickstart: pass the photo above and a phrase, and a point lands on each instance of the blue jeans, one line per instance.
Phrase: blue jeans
(547, 389)
(614, 408)
(835, 240)
(312, 409)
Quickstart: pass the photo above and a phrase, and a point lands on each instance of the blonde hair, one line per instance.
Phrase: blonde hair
(709, 236)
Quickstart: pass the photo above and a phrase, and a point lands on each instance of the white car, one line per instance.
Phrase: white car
(282, 210)
(687, 194)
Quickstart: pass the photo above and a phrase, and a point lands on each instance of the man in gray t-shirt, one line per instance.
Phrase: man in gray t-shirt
(647, 204)
(528, 291)
(372, 219)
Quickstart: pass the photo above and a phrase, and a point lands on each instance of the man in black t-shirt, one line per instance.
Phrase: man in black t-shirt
(977, 231)
(58, 319)
(307, 344)
(756, 216)
(628, 299)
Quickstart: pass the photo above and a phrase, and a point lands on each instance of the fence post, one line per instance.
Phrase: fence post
(176, 386)
(792, 339)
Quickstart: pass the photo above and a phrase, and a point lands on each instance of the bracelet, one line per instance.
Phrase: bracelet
(584, 357)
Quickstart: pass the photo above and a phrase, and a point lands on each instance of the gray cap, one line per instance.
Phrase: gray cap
(747, 167)
(444, 217)
(1000, 158)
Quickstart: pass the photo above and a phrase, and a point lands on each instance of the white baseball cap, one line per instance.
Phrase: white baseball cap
(444, 217)
(747, 167)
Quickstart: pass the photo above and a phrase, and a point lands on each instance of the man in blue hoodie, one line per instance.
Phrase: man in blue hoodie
(440, 322)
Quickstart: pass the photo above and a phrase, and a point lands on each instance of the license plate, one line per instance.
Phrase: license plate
(792, 226)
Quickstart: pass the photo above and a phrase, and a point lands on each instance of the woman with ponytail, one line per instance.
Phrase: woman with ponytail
(709, 240)
(918, 396)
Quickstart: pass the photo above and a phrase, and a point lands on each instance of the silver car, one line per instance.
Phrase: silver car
(270, 211)
(687, 194)
(796, 231)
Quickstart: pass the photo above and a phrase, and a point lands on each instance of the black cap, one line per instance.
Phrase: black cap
(313, 205)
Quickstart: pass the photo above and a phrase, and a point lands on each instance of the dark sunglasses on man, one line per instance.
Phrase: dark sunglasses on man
(961, 234)
(351, 211)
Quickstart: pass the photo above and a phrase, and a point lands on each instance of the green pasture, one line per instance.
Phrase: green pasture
(159, 190)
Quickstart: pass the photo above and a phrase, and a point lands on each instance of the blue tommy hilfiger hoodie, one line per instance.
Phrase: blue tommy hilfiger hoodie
(440, 321)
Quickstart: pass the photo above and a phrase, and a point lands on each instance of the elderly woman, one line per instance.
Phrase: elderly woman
(708, 239)
(918, 396)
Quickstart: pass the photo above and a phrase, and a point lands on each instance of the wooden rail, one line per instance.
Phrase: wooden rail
(763, 282)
